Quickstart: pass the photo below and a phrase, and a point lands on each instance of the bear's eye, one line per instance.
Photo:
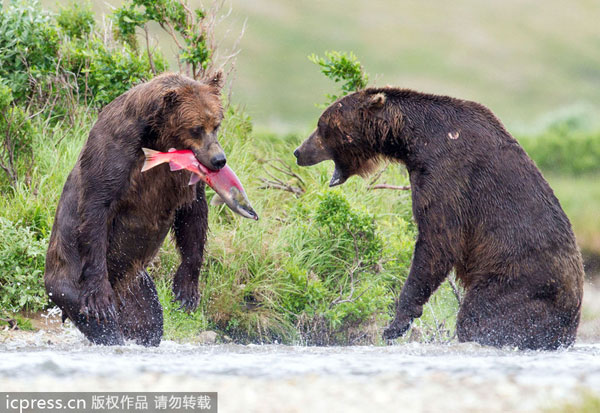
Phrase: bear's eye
(196, 130)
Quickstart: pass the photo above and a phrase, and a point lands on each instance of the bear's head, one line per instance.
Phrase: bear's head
(350, 133)
(190, 115)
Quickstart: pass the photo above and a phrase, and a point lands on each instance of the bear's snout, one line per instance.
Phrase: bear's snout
(311, 151)
(301, 158)
(218, 161)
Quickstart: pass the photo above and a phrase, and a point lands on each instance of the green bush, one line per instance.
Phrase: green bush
(76, 21)
(342, 66)
(29, 43)
(337, 284)
(565, 149)
(66, 52)
(106, 71)
(22, 258)
(353, 231)
(178, 20)
(104, 68)
(16, 135)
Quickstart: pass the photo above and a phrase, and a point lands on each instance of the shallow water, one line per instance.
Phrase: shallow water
(424, 377)
(580, 364)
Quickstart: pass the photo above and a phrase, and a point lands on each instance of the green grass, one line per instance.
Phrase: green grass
(587, 403)
(580, 198)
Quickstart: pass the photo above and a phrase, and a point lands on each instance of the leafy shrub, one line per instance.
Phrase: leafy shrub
(342, 66)
(353, 231)
(67, 52)
(76, 21)
(21, 267)
(564, 149)
(16, 153)
(106, 71)
(28, 45)
(178, 21)
(338, 288)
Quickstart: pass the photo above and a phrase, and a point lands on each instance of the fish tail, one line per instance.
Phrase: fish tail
(152, 159)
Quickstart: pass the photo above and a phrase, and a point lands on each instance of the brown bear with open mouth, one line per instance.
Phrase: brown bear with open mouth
(112, 219)
(482, 208)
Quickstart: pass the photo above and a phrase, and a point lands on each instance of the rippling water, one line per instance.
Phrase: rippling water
(579, 364)
(481, 373)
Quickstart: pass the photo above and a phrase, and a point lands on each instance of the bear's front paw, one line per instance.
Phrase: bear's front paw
(186, 294)
(97, 301)
(397, 328)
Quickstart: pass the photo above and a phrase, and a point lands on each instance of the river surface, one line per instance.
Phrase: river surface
(455, 377)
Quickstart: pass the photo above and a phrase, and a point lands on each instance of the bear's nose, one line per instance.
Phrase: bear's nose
(218, 161)
(296, 153)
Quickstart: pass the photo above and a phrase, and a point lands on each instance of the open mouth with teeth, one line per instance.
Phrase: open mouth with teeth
(338, 177)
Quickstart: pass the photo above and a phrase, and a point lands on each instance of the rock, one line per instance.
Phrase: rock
(207, 337)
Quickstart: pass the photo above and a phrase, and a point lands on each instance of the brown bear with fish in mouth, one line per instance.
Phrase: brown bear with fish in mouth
(112, 218)
(481, 206)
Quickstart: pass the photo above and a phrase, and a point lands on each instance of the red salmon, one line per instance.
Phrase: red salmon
(224, 181)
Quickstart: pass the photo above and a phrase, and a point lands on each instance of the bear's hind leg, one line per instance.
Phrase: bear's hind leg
(500, 315)
(140, 312)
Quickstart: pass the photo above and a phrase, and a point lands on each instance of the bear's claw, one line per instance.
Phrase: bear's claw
(98, 303)
(185, 290)
(187, 305)
(395, 330)
(188, 299)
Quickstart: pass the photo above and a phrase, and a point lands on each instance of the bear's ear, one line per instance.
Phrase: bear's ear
(215, 80)
(376, 101)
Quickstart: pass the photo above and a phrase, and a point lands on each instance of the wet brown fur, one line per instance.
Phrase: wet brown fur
(481, 205)
(112, 218)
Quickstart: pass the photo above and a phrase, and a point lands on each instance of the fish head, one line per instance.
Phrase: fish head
(229, 188)
(239, 203)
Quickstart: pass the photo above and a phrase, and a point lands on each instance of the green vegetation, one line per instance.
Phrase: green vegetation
(588, 403)
(22, 257)
(341, 66)
(568, 153)
(177, 20)
(580, 198)
(565, 148)
(65, 57)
